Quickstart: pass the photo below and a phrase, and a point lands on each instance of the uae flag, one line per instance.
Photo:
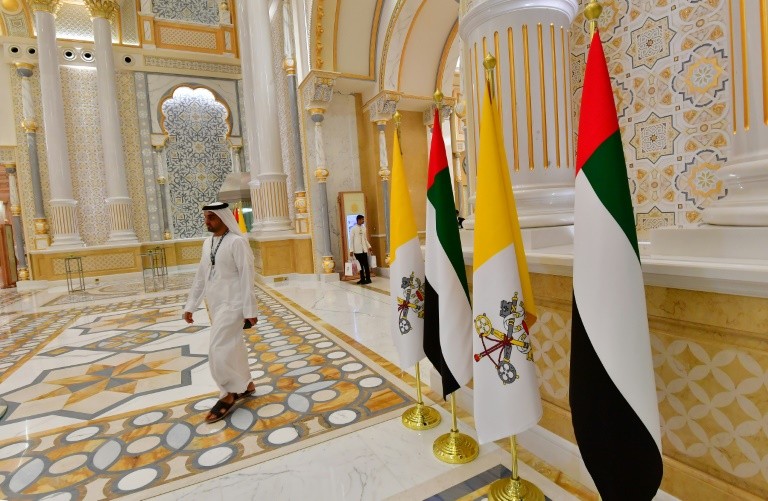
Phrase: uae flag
(506, 387)
(447, 312)
(612, 388)
(406, 269)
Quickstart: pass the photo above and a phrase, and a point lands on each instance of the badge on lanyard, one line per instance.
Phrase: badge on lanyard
(213, 254)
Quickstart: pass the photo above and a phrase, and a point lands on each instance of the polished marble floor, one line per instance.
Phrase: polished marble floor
(106, 392)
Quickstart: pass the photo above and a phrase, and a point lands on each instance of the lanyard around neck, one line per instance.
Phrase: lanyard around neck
(215, 250)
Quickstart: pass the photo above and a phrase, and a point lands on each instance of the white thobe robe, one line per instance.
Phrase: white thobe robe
(229, 294)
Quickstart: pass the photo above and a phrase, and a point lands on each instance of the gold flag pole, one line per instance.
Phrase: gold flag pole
(513, 488)
(453, 447)
(420, 416)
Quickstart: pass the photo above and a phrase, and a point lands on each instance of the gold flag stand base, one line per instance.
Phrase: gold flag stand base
(507, 489)
(514, 488)
(420, 416)
(455, 447)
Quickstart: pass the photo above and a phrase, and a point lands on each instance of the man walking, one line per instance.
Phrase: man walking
(225, 279)
(359, 247)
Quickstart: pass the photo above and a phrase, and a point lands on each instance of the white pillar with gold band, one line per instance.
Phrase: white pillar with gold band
(269, 182)
(529, 39)
(22, 270)
(118, 200)
(745, 174)
(63, 205)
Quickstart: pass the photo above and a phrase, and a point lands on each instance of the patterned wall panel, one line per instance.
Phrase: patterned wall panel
(196, 11)
(177, 37)
(710, 363)
(670, 70)
(185, 64)
(73, 22)
(16, 25)
(129, 22)
(197, 156)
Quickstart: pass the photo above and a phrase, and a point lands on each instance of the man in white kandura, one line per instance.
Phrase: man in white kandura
(225, 278)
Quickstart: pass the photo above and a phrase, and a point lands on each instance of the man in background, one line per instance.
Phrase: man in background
(360, 247)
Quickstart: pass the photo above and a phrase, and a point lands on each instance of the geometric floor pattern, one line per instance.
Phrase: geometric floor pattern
(310, 386)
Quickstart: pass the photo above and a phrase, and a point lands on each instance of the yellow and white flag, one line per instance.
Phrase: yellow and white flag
(406, 269)
(506, 388)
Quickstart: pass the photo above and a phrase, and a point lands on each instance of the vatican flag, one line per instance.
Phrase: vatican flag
(241, 221)
(406, 269)
(506, 388)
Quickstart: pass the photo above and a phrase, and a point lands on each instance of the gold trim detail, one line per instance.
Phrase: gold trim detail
(336, 35)
(731, 45)
(554, 93)
(289, 66)
(102, 8)
(321, 174)
(41, 226)
(16, 210)
(528, 105)
(23, 274)
(28, 66)
(29, 126)
(444, 57)
(319, 34)
(513, 98)
(744, 64)
(764, 52)
(372, 43)
(328, 264)
(50, 6)
(543, 97)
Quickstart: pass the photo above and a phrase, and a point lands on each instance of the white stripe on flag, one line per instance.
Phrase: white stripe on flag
(407, 327)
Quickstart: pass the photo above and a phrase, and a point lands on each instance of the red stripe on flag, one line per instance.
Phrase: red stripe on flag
(437, 158)
(597, 120)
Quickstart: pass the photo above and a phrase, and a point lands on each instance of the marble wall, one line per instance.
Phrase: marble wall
(669, 63)
(85, 156)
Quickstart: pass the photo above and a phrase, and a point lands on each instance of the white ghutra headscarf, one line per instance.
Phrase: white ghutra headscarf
(221, 209)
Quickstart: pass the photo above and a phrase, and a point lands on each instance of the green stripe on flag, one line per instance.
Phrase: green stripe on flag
(440, 195)
(607, 173)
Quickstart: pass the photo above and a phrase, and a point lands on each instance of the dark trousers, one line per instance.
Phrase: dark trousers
(365, 270)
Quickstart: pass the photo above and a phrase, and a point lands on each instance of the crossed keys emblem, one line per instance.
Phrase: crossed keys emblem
(513, 315)
(413, 292)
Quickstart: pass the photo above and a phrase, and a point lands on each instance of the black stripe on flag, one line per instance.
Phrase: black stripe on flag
(616, 447)
(432, 347)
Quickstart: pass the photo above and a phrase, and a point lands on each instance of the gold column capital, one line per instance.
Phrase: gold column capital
(50, 6)
(321, 173)
(102, 8)
(24, 65)
(289, 66)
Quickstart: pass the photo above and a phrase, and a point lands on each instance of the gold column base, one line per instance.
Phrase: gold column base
(22, 274)
(421, 417)
(167, 235)
(455, 448)
(507, 489)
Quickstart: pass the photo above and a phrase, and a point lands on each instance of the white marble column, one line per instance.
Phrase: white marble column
(29, 124)
(22, 271)
(529, 41)
(317, 95)
(745, 174)
(161, 175)
(461, 198)
(118, 201)
(64, 223)
(268, 186)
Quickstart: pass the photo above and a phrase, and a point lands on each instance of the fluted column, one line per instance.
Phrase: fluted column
(118, 201)
(234, 153)
(744, 176)
(22, 271)
(529, 40)
(289, 66)
(29, 124)
(317, 94)
(64, 223)
(268, 184)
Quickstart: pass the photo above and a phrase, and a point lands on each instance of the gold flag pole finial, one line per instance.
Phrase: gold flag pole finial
(398, 118)
(592, 11)
(438, 97)
(489, 63)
